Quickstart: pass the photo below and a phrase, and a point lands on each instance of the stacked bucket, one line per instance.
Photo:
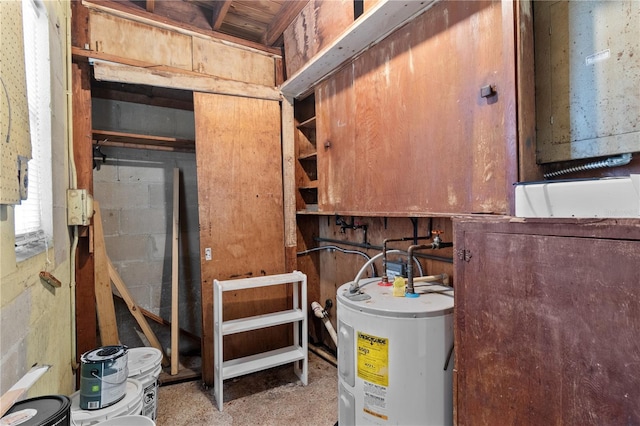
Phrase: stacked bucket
(118, 386)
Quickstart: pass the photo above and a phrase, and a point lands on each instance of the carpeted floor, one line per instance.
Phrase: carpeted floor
(271, 397)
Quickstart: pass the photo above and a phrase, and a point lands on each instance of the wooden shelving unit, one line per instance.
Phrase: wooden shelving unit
(297, 315)
(306, 154)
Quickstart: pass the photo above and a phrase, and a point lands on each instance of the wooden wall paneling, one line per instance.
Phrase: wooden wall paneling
(425, 139)
(336, 120)
(383, 142)
(317, 25)
(86, 338)
(129, 39)
(279, 72)
(79, 25)
(547, 307)
(124, 11)
(217, 59)
(239, 167)
(368, 4)
(306, 232)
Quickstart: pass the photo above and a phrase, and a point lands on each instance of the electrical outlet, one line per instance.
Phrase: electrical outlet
(207, 253)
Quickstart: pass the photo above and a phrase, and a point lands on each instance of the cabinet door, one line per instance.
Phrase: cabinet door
(406, 126)
(239, 162)
(547, 317)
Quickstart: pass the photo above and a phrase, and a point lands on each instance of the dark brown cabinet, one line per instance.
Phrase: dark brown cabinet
(424, 122)
(547, 321)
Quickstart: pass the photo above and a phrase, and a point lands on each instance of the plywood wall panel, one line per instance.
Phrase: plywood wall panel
(335, 140)
(424, 139)
(319, 23)
(220, 60)
(239, 168)
(129, 39)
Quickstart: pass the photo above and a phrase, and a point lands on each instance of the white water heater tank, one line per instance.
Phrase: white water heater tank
(395, 356)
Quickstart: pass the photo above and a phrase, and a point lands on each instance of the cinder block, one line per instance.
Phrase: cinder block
(141, 272)
(110, 221)
(118, 195)
(160, 196)
(127, 247)
(15, 318)
(135, 222)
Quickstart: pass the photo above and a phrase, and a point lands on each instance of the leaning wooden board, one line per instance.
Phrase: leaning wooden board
(104, 296)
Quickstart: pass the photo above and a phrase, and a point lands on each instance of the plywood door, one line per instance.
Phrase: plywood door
(546, 322)
(239, 162)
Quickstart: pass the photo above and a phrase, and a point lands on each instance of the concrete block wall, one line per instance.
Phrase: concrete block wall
(36, 318)
(135, 191)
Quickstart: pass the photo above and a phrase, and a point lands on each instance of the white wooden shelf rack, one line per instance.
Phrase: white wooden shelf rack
(296, 353)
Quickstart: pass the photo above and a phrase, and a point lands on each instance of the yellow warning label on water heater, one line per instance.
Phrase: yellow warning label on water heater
(373, 359)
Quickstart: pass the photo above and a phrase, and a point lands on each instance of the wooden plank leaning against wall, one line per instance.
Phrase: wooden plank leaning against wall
(97, 33)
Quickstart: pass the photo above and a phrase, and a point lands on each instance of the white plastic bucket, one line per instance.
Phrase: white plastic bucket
(145, 365)
(128, 421)
(130, 404)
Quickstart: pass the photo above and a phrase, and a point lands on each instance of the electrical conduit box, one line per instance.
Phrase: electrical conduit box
(614, 197)
(79, 207)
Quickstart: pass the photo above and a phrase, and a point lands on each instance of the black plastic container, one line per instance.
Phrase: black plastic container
(50, 410)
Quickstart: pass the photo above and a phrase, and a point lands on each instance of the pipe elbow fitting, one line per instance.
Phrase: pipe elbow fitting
(318, 310)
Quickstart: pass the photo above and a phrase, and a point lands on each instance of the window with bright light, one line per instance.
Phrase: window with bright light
(33, 217)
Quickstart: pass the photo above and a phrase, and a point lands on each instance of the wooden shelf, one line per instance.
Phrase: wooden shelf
(310, 185)
(309, 156)
(139, 141)
(308, 124)
(311, 209)
(375, 24)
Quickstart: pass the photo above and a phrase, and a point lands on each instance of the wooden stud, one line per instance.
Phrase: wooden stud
(288, 178)
(104, 296)
(175, 332)
(135, 310)
(86, 338)
(220, 9)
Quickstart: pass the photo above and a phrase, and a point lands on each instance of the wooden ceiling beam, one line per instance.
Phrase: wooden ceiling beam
(151, 5)
(220, 9)
(290, 9)
(138, 14)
